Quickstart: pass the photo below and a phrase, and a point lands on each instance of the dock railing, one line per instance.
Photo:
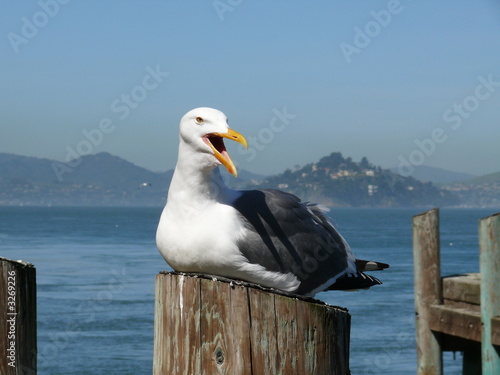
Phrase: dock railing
(459, 312)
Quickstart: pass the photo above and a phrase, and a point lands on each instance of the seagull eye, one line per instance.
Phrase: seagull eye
(199, 120)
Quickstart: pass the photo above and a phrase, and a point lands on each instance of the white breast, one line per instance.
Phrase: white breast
(199, 240)
(205, 241)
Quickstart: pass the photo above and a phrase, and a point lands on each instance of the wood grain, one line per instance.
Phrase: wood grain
(205, 326)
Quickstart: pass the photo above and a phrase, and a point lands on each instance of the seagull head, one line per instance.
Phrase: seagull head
(203, 130)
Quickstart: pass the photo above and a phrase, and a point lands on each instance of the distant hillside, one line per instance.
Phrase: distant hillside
(482, 191)
(487, 179)
(106, 180)
(99, 179)
(339, 181)
(243, 180)
(437, 175)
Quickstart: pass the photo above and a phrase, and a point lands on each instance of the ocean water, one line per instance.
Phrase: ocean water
(96, 269)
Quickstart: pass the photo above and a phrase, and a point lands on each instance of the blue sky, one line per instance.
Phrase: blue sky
(403, 83)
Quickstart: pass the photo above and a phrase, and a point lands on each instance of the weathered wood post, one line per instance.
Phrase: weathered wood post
(18, 350)
(206, 326)
(489, 263)
(428, 290)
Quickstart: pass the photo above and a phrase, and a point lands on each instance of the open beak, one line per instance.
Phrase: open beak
(216, 143)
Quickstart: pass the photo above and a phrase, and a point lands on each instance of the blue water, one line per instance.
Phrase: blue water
(96, 270)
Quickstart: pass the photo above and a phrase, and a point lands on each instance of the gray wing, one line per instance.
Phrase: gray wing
(286, 235)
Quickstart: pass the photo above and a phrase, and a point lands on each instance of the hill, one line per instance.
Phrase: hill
(437, 175)
(339, 181)
(101, 179)
(487, 179)
(106, 180)
(482, 191)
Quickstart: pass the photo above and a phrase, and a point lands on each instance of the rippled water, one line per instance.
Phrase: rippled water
(96, 270)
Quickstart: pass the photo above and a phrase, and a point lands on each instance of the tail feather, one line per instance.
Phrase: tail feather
(353, 282)
(359, 280)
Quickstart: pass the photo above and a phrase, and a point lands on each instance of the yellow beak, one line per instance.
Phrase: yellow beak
(214, 140)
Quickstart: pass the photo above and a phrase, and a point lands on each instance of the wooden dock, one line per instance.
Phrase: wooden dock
(205, 325)
(458, 312)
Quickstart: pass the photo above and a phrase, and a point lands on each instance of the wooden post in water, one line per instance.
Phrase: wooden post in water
(208, 326)
(18, 350)
(489, 262)
(428, 290)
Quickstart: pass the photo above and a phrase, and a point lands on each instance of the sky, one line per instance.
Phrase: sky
(404, 83)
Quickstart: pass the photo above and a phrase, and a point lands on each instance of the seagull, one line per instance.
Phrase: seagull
(267, 237)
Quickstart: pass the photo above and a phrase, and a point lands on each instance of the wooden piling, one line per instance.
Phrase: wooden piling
(427, 290)
(208, 326)
(458, 312)
(18, 339)
(489, 262)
